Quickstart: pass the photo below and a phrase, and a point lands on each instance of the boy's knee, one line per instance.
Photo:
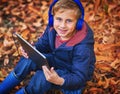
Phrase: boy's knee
(23, 67)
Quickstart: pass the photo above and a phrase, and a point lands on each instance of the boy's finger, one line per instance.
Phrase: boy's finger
(46, 70)
(52, 70)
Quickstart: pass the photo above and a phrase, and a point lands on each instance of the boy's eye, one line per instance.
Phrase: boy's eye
(59, 19)
(68, 20)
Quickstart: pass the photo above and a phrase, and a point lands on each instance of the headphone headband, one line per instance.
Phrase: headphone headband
(80, 20)
(81, 8)
(50, 9)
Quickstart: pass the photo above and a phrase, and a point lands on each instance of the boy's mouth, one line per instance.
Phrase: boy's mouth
(61, 31)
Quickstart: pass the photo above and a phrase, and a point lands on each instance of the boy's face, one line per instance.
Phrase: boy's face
(65, 23)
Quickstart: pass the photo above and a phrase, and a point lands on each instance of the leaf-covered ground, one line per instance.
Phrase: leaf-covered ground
(29, 18)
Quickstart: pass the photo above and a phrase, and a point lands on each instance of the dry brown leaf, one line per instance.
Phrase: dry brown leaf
(115, 62)
(38, 12)
(1, 78)
(95, 90)
(104, 82)
(103, 47)
(105, 58)
(96, 5)
(3, 1)
(25, 34)
(106, 85)
(7, 43)
(6, 60)
(103, 66)
(45, 16)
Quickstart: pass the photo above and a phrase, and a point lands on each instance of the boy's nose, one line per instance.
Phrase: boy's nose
(63, 24)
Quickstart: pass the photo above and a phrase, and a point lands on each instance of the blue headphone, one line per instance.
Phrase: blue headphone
(80, 20)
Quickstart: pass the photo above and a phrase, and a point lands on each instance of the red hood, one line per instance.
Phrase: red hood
(78, 37)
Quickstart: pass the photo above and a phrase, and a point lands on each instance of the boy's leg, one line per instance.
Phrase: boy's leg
(17, 75)
(24, 67)
(21, 91)
(38, 84)
(9, 82)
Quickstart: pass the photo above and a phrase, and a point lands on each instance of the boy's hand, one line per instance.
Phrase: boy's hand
(24, 53)
(52, 76)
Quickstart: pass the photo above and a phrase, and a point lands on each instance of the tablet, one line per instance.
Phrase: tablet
(36, 56)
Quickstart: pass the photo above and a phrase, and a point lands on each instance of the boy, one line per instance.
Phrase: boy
(68, 45)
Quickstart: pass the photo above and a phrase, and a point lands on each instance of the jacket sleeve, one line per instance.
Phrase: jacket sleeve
(42, 43)
(82, 68)
(43, 46)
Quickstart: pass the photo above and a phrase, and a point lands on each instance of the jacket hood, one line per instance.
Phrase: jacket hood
(85, 35)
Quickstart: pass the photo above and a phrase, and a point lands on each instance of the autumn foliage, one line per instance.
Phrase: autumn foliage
(29, 18)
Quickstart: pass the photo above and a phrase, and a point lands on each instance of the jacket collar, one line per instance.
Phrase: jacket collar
(78, 37)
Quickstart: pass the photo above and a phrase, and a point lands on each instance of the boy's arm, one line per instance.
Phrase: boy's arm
(82, 69)
(43, 46)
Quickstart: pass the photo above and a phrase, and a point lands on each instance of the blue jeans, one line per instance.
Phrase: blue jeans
(38, 83)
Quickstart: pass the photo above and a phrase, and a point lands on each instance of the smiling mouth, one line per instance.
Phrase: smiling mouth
(62, 31)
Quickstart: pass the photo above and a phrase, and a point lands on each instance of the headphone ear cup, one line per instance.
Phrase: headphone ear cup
(51, 20)
(79, 24)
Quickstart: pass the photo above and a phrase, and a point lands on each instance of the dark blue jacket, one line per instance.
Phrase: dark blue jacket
(76, 56)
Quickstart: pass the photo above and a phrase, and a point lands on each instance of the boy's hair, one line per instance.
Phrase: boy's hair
(66, 4)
